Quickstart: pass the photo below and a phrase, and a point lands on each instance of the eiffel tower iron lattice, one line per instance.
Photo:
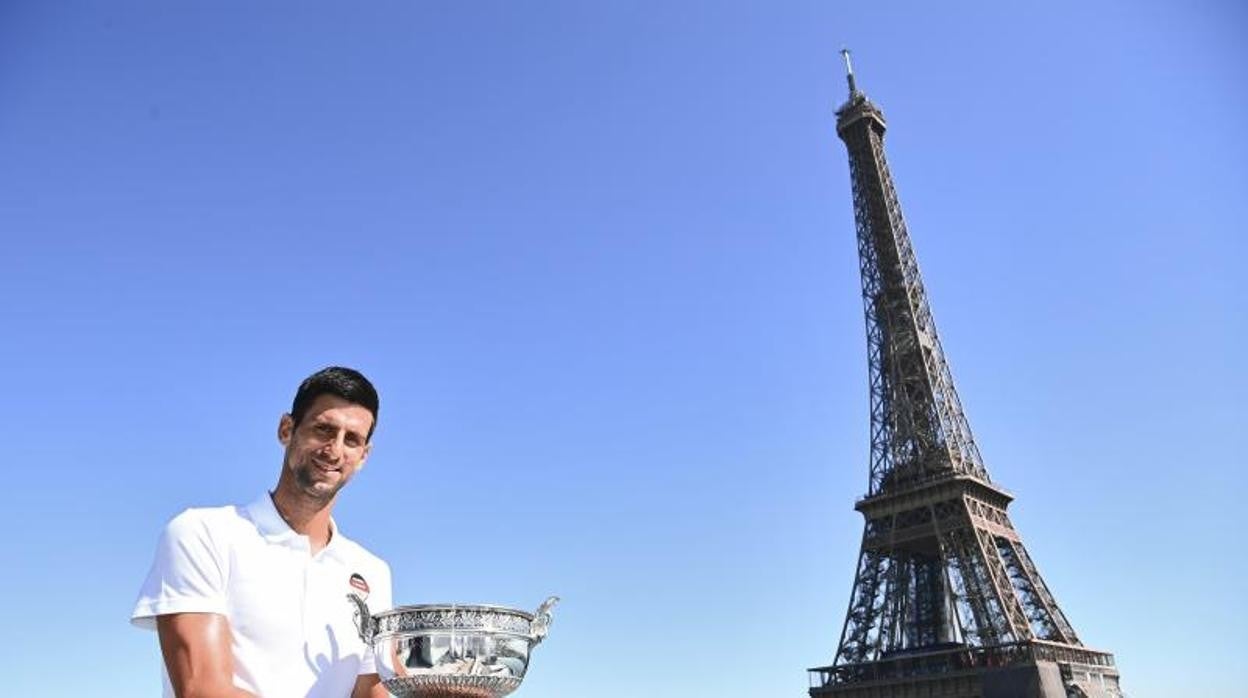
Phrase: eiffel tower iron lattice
(946, 600)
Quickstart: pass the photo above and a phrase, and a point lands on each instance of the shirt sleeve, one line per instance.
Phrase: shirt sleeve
(187, 575)
(381, 600)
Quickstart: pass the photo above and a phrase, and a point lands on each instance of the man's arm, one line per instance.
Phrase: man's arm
(197, 653)
(369, 686)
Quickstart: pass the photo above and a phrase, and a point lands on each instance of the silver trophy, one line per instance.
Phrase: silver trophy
(452, 650)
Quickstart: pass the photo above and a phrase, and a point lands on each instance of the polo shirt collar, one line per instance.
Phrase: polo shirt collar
(263, 512)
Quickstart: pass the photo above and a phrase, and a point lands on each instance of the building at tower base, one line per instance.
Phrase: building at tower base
(1030, 670)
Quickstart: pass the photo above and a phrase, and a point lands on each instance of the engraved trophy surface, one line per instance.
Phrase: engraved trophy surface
(452, 650)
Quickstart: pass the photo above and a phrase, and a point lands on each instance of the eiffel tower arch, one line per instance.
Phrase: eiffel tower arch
(946, 600)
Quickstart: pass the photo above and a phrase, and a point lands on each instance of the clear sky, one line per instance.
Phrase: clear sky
(599, 259)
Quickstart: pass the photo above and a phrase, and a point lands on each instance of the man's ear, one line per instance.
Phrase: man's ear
(285, 429)
(368, 451)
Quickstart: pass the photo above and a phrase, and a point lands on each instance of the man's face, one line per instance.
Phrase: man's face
(328, 447)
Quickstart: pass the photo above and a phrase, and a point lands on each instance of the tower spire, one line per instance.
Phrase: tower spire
(849, 73)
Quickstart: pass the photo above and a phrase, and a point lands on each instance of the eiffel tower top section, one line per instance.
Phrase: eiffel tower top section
(919, 433)
(858, 106)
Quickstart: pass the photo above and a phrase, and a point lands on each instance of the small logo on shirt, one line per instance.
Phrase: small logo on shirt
(357, 581)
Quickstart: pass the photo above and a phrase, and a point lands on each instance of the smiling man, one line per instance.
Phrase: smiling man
(252, 600)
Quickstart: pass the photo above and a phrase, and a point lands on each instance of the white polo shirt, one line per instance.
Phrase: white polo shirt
(293, 630)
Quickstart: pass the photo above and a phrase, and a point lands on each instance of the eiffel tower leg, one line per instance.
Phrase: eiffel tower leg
(954, 598)
(892, 617)
(931, 620)
(860, 637)
(970, 588)
(1013, 618)
(1043, 610)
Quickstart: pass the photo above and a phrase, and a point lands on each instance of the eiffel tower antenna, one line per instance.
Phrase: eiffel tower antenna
(849, 73)
(946, 599)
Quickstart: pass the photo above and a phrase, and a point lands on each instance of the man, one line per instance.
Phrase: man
(252, 601)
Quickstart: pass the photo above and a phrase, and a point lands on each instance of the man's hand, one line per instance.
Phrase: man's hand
(369, 686)
(197, 654)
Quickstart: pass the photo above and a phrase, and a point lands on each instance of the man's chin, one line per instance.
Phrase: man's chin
(318, 490)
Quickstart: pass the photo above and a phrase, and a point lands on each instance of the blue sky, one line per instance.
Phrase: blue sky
(599, 259)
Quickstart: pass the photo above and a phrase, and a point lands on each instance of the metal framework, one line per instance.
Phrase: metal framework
(944, 592)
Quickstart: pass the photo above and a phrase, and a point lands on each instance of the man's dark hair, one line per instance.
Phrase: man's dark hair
(346, 383)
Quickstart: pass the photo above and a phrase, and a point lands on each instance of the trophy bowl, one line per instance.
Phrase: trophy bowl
(452, 650)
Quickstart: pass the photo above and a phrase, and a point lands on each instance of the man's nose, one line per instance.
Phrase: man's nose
(333, 450)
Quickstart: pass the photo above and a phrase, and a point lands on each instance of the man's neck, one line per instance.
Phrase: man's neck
(305, 516)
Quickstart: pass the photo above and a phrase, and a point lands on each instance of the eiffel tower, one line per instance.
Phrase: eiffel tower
(946, 600)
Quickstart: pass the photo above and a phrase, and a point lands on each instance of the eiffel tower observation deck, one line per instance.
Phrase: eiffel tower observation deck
(946, 601)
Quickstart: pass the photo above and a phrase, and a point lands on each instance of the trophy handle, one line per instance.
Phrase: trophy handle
(541, 620)
(365, 624)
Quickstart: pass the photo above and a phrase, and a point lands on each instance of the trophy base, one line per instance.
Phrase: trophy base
(451, 686)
